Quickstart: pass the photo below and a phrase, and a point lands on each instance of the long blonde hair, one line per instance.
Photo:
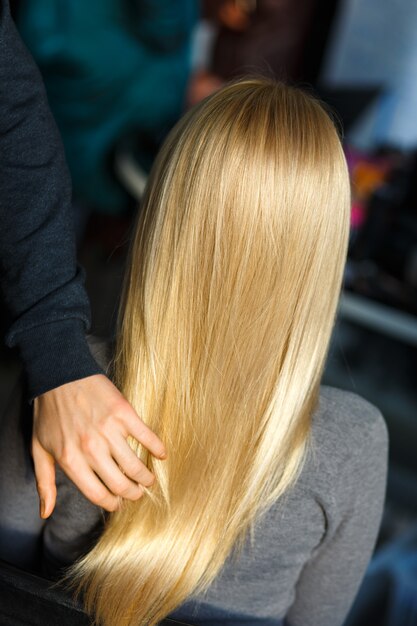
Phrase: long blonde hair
(228, 307)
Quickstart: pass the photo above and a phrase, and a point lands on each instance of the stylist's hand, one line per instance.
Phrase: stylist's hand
(83, 426)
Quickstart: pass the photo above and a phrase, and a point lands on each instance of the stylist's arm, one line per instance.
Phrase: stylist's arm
(83, 426)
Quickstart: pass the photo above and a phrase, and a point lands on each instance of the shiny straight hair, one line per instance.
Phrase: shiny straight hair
(229, 302)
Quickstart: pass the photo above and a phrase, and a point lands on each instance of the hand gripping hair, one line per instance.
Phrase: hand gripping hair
(229, 302)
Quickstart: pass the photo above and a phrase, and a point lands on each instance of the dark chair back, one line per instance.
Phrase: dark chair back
(29, 599)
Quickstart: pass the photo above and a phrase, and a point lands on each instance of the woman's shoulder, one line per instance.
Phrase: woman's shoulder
(347, 455)
(346, 423)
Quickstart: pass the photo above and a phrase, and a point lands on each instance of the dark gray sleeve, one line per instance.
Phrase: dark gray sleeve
(355, 496)
(41, 284)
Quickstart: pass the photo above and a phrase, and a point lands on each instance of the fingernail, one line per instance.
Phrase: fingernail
(42, 508)
(163, 456)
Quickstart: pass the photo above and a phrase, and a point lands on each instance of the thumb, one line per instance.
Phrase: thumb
(45, 478)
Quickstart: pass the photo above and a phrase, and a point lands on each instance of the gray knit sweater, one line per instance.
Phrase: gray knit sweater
(309, 551)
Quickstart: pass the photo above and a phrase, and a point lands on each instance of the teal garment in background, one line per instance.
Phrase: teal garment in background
(112, 68)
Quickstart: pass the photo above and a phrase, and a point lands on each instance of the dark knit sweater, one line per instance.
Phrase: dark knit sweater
(41, 284)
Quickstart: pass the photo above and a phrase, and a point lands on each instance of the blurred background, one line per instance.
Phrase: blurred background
(119, 73)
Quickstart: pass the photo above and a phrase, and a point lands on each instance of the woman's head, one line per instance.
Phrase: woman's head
(228, 307)
(238, 257)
